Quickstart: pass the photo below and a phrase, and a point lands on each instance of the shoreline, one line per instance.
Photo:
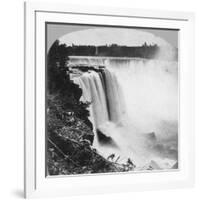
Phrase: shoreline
(120, 58)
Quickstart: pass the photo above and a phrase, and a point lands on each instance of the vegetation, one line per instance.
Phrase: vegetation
(113, 50)
(69, 131)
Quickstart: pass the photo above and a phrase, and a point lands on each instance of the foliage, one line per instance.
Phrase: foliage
(69, 131)
(113, 50)
(57, 69)
(70, 139)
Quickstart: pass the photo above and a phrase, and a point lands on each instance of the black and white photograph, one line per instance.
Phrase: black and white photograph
(112, 99)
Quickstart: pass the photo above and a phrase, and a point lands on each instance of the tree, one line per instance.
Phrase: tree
(57, 70)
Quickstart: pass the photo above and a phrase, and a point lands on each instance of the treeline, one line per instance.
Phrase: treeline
(113, 50)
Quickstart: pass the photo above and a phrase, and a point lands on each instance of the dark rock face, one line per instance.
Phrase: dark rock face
(77, 92)
(104, 139)
(70, 154)
(70, 139)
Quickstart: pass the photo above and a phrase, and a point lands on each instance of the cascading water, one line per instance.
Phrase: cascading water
(135, 102)
(102, 90)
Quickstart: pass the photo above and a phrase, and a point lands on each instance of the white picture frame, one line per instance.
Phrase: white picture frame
(36, 184)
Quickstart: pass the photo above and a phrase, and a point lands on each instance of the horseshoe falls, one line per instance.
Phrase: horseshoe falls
(133, 107)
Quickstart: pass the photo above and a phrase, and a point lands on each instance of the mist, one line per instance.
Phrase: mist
(147, 129)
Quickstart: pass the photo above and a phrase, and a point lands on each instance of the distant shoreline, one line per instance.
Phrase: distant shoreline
(120, 58)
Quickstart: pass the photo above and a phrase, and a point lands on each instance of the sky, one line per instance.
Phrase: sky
(100, 35)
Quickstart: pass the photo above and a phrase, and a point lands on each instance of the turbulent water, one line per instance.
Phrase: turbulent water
(135, 103)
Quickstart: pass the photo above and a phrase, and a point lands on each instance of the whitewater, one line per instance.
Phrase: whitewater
(134, 102)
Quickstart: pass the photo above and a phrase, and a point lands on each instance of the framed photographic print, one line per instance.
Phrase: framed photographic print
(109, 100)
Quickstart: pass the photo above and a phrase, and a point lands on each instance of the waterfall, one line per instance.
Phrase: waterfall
(103, 91)
(135, 102)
